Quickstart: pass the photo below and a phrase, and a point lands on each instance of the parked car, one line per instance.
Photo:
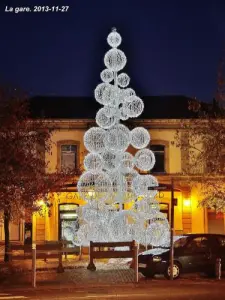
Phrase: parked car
(192, 253)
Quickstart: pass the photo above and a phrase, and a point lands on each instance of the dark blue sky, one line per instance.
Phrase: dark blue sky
(172, 47)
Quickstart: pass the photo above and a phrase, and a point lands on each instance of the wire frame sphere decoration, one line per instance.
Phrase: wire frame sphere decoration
(117, 138)
(142, 184)
(94, 186)
(158, 234)
(153, 183)
(120, 225)
(144, 159)
(134, 107)
(114, 38)
(109, 160)
(99, 90)
(95, 210)
(111, 178)
(105, 121)
(123, 115)
(94, 139)
(147, 209)
(127, 93)
(123, 80)
(93, 162)
(111, 95)
(125, 162)
(106, 75)
(115, 60)
(140, 137)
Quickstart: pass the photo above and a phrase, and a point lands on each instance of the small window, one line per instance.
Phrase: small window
(159, 151)
(68, 157)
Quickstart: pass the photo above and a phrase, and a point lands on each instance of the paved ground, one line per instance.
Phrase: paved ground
(160, 290)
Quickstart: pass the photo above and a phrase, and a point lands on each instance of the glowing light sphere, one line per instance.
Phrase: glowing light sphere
(93, 161)
(111, 95)
(120, 226)
(153, 182)
(159, 218)
(105, 121)
(110, 111)
(134, 106)
(106, 75)
(94, 139)
(123, 114)
(127, 93)
(114, 38)
(147, 209)
(158, 234)
(141, 184)
(117, 138)
(99, 92)
(115, 60)
(81, 237)
(153, 205)
(123, 80)
(109, 160)
(144, 159)
(94, 186)
(125, 162)
(140, 137)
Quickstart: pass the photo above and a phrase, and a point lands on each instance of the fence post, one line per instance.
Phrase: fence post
(218, 268)
(135, 259)
(91, 266)
(34, 265)
(60, 268)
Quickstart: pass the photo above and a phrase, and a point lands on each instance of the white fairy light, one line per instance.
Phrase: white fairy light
(114, 38)
(115, 60)
(111, 182)
(111, 95)
(106, 75)
(117, 138)
(99, 90)
(140, 138)
(123, 115)
(127, 93)
(144, 159)
(134, 106)
(109, 160)
(93, 161)
(157, 234)
(94, 185)
(126, 162)
(123, 80)
(94, 139)
(104, 120)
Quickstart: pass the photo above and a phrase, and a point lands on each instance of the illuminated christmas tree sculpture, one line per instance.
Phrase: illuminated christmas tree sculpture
(121, 204)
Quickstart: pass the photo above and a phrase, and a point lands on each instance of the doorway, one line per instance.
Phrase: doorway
(68, 221)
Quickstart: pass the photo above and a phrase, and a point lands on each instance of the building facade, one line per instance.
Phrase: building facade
(60, 220)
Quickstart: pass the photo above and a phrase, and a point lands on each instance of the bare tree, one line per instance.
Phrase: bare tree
(204, 146)
(23, 144)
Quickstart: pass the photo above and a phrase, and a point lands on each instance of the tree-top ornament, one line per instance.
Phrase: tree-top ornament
(111, 177)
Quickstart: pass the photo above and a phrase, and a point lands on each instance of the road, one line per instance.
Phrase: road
(174, 290)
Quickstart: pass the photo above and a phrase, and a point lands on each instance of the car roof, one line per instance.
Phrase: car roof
(203, 235)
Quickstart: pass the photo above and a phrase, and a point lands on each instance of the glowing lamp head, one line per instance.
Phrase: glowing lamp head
(186, 203)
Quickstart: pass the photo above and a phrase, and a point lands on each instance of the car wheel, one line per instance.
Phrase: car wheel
(148, 273)
(176, 271)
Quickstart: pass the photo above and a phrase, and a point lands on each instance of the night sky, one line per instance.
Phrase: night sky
(172, 47)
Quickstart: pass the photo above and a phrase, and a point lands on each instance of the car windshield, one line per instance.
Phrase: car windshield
(180, 242)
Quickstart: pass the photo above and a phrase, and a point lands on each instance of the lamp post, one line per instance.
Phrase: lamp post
(171, 221)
